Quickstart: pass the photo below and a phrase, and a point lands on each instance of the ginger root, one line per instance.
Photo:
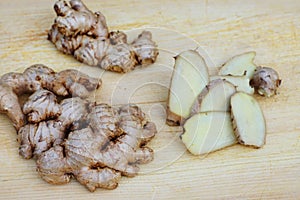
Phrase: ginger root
(9, 105)
(36, 77)
(71, 136)
(84, 34)
(111, 145)
(41, 105)
(39, 136)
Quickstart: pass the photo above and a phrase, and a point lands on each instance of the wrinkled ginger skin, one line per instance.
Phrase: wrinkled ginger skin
(76, 83)
(119, 58)
(78, 19)
(93, 159)
(39, 136)
(145, 49)
(9, 105)
(104, 121)
(41, 105)
(37, 77)
(84, 34)
(34, 139)
(265, 81)
(127, 151)
(74, 111)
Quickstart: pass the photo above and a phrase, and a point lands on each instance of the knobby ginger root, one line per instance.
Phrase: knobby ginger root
(41, 105)
(39, 136)
(71, 136)
(34, 139)
(9, 104)
(64, 83)
(265, 81)
(84, 34)
(74, 112)
(92, 157)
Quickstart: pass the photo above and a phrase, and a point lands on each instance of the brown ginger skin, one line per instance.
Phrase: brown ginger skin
(96, 161)
(36, 77)
(9, 105)
(84, 34)
(41, 105)
(37, 138)
(265, 81)
(145, 49)
(49, 121)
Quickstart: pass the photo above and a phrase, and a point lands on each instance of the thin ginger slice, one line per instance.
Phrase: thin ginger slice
(208, 132)
(189, 77)
(248, 120)
(242, 83)
(214, 97)
(240, 65)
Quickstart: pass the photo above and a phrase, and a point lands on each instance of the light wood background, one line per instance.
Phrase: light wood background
(221, 29)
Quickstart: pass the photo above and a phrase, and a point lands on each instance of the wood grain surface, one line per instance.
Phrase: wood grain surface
(220, 29)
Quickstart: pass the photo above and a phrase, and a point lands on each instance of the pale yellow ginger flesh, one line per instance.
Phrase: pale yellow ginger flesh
(84, 34)
(264, 80)
(248, 120)
(208, 132)
(242, 83)
(230, 91)
(214, 97)
(189, 77)
(240, 65)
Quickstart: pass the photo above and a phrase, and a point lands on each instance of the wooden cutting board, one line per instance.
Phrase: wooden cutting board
(220, 29)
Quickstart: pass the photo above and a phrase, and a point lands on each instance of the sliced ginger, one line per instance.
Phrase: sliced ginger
(248, 120)
(189, 77)
(208, 132)
(214, 97)
(240, 65)
(242, 83)
(230, 91)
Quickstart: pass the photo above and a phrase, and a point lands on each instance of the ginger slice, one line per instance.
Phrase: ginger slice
(214, 97)
(208, 132)
(242, 83)
(248, 120)
(189, 77)
(240, 65)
